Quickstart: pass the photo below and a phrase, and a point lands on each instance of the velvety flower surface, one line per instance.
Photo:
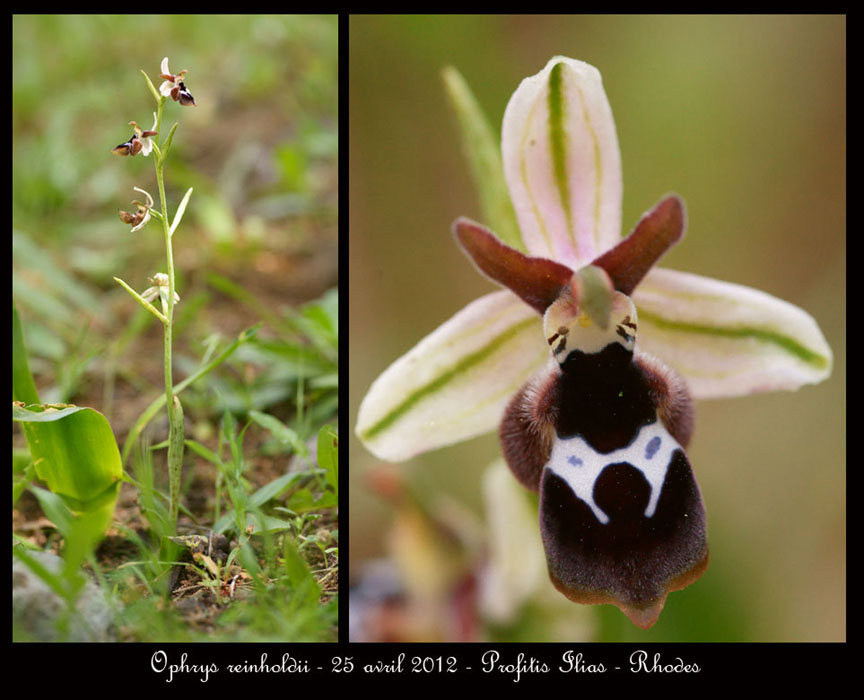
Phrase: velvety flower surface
(492, 360)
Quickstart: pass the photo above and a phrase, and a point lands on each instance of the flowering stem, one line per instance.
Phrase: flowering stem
(175, 457)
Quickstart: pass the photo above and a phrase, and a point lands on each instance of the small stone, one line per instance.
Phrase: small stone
(37, 609)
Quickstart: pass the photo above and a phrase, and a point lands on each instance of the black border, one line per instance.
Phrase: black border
(99, 666)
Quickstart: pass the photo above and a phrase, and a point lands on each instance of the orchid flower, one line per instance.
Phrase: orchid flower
(173, 85)
(140, 141)
(159, 289)
(582, 287)
(140, 218)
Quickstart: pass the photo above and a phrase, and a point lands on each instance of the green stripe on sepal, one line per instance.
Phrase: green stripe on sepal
(726, 339)
(558, 138)
(444, 378)
(784, 342)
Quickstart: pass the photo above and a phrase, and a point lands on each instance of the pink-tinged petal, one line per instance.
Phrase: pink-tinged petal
(726, 339)
(455, 383)
(537, 281)
(562, 163)
(657, 231)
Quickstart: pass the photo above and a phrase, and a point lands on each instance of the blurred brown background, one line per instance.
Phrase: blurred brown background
(742, 116)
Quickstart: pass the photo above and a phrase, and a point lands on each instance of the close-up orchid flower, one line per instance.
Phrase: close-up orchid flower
(568, 362)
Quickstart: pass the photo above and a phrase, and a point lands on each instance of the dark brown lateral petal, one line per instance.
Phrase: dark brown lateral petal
(657, 231)
(632, 561)
(537, 281)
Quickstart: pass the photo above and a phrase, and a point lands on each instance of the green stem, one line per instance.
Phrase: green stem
(174, 464)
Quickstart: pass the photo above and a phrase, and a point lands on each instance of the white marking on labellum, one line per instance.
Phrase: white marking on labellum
(579, 464)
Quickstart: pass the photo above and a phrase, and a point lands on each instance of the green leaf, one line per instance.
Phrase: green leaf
(141, 300)
(248, 560)
(483, 151)
(178, 217)
(261, 524)
(74, 452)
(280, 431)
(275, 488)
(303, 500)
(328, 456)
(22, 480)
(23, 386)
(150, 500)
(166, 144)
(73, 448)
(299, 575)
(266, 493)
(153, 90)
(205, 452)
(54, 509)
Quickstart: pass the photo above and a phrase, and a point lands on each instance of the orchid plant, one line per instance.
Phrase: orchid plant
(141, 142)
(567, 358)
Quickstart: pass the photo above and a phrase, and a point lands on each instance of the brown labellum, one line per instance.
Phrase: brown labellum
(131, 148)
(133, 219)
(183, 95)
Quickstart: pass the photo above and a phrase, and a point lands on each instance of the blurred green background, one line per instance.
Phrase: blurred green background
(742, 116)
